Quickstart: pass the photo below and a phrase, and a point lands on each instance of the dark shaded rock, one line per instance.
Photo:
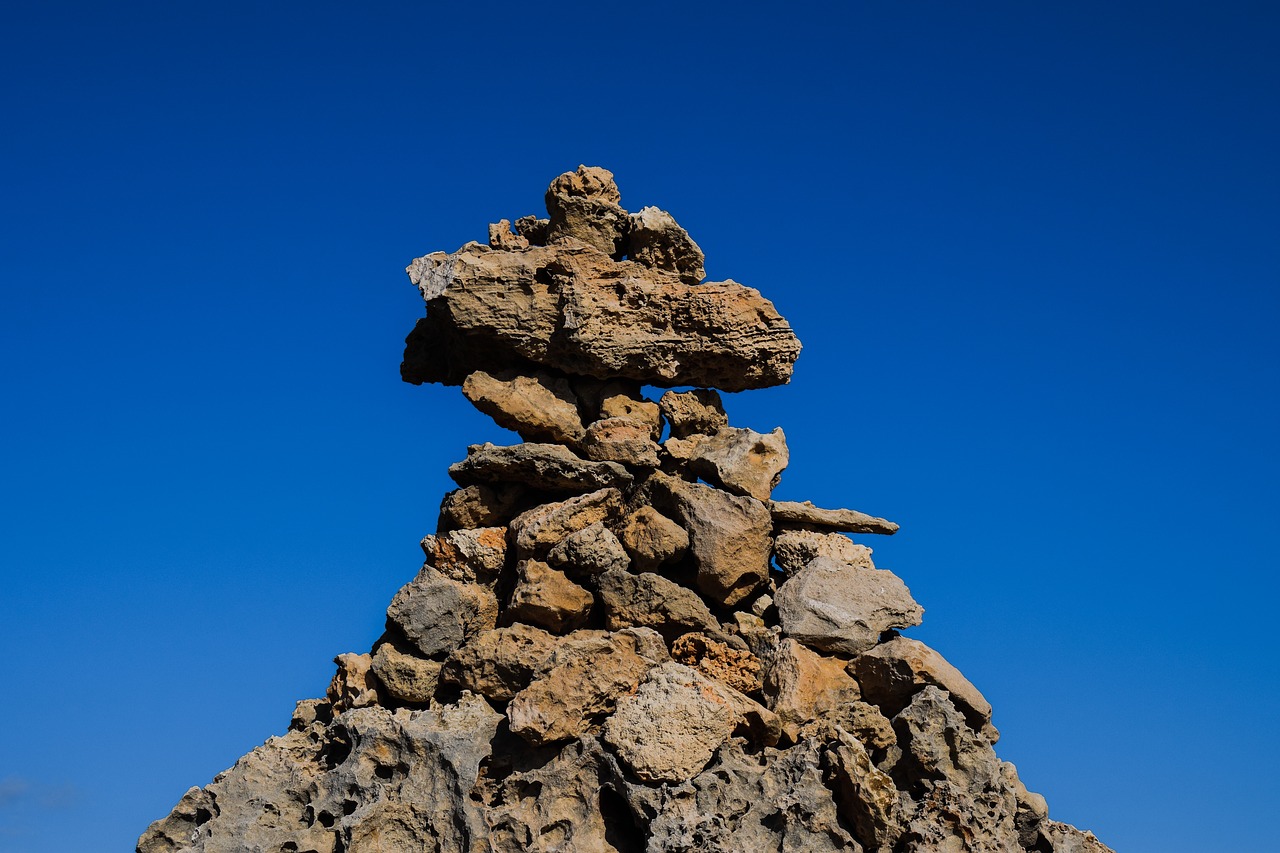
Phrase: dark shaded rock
(549, 467)
(546, 598)
(651, 601)
(697, 412)
(437, 614)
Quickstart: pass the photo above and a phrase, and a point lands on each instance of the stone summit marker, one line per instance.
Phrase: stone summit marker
(619, 642)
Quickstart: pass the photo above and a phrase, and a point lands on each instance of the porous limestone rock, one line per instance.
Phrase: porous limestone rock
(538, 530)
(802, 686)
(697, 412)
(353, 685)
(652, 539)
(737, 668)
(795, 549)
(470, 555)
(500, 663)
(405, 677)
(652, 601)
(868, 797)
(621, 440)
(593, 550)
(742, 461)
(540, 407)
(437, 614)
(656, 241)
(583, 207)
(479, 505)
(633, 408)
(844, 609)
(550, 467)
(548, 599)
(806, 515)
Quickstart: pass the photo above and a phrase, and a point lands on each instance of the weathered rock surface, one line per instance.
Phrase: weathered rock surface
(500, 663)
(840, 608)
(437, 614)
(795, 549)
(478, 506)
(353, 685)
(652, 539)
(470, 555)
(868, 797)
(540, 529)
(805, 514)
(405, 677)
(738, 668)
(652, 601)
(592, 550)
(539, 407)
(548, 599)
(697, 412)
(742, 460)
(550, 467)
(656, 241)
(803, 686)
(621, 440)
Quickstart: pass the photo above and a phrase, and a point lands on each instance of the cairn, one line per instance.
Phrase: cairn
(618, 640)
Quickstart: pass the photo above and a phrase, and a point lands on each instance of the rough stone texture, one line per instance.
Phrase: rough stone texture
(405, 677)
(652, 539)
(538, 530)
(539, 407)
(592, 550)
(652, 601)
(403, 775)
(729, 536)
(583, 207)
(1061, 838)
(840, 608)
(697, 412)
(868, 798)
(583, 684)
(546, 598)
(500, 663)
(893, 672)
(353, 685)
(437, 614)
(573, 308)
(795, 549)
(738, 668)
(802, 686)
(473, 555)
(656, 241)
(743, 461)
(805, 514)
(550, 467)
(501, 236)
(478, 506)
(633, 408)
(621, 440)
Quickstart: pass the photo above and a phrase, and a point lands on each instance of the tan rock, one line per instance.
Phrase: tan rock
(501, 237)
(652, 601)
(538, 530)
(794, 549)
(802, 685)
(405, 677)
(592, 550)
(549, 467)
(670, 727)
(729, 536)
(743, 461)
(353, 685)
(656, 241)
(533, 229)
(894, 671)
(548, 599)
(500, 663)
(583, 206)
(583, 685)
(633, 408)
(797, 514)
(652, 539)
(697, 412)
(736, 668)
(867, 797)
(479, 506)
(840, 608)
(621, 440)
(540, 407)
(437, 614)
(474, 555)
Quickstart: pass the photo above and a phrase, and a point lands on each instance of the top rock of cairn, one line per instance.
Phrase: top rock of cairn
(594, 291)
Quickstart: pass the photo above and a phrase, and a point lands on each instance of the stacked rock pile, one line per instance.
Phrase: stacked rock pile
(619, 641)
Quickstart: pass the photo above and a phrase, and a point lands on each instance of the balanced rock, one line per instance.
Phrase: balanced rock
(539, 407)
(742, 461)
(835, 607)
(806, 515)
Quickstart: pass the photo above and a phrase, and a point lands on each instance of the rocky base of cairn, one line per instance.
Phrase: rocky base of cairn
(618, 641)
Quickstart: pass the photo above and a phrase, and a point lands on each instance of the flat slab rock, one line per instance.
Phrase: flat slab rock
(805, 514)
(550, 467)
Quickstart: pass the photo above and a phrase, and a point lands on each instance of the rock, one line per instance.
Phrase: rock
(583, 206)
(770, 800)
(308, 712)
(500, 663)
(621, 440)
(592, 550)
(729, 536)
(403, 777)
(550, 467)
(1061, 838)
(844, 609)
(652, 539)
(962, 800)
(533, 229)
(697, 412)
(500, 237)
(743, 461)
(736, 668)
(1032, 809)
(539, 407)
(670, 727)
(573, 309)
(583, 685)
(353, 685)
(894, 671)
(796, 514)
(474, 555)
(633, 409)
(405, 677)
(656, 241)
(437, 614)
(538, 530)
(651, 601)
(795, 549)
(868, 797)
(478, 506)
(548, 599)
(802, 686)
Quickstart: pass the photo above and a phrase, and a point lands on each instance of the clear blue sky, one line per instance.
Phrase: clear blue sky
(1032, 250)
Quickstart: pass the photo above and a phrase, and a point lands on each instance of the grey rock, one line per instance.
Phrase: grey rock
(592, 550)
(404, 676)
(550, 467)
(548, 599)
(795, 549)
(743, 461)
(868, 797)
(538, 530)
(656, 241)
(652, 601)
(844, 609)
(697, 412)
(540, 407)
(479, 506)
(437, 614)
(729, 536)
(805, 514)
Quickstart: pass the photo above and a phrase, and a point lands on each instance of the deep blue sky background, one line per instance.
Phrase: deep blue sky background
(1031, 249)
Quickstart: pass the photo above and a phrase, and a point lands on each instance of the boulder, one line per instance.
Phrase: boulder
(835, 607)
(652, 601)
(802, 686)
(539, 407)
(405, 677)
(548, 599)
(592, 550)
(741, 460)
(583, 207)
(500, 663)
(867, 797)
(656, 241)
(795, 549)
(470, 555)
(437, 614)
(538, 530)
(652, 539)
(623, 440)
(697, 412)
(479, 506)
(549, 467)
(633, 408)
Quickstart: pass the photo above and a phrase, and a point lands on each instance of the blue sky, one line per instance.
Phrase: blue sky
(1031, 250)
